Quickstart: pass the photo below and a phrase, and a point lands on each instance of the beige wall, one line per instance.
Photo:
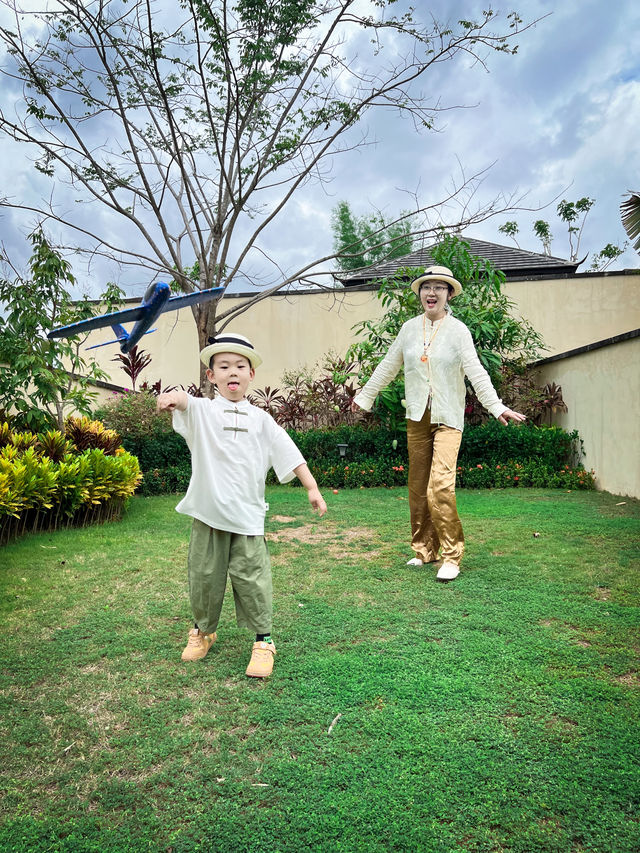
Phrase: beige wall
(289, 332)
(573, 312)
(602, 391)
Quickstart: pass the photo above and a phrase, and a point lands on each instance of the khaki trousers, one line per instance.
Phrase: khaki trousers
(214, 554)
(433, 455)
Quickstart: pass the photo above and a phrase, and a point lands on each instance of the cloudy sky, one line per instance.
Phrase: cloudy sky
(559, 120)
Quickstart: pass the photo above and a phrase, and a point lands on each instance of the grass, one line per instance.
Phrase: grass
(496, 713)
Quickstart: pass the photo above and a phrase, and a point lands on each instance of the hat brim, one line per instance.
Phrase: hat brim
(457, 287)
(254, 358)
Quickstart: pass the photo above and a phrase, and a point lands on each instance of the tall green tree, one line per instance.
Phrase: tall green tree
(197, 124)
(361, 241)
(41, 380)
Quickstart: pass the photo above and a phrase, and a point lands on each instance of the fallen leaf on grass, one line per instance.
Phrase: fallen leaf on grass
(334, 721)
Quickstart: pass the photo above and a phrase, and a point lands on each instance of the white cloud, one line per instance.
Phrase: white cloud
(559, 118)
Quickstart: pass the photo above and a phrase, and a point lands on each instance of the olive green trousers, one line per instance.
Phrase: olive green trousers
(433, 457)
(216, 554)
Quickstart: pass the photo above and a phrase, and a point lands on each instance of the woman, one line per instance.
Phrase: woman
(437, 352)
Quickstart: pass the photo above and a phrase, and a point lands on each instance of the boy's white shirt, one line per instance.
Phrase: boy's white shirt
(452, 355)
(229, 465)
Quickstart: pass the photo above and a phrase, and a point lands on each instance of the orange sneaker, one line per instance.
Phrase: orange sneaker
(198, 645)
(261, 663)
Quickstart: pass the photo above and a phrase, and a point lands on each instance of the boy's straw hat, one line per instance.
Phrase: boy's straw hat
(437, 274)
(230, 342)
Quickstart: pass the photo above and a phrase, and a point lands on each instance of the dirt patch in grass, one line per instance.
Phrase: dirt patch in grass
(631, 679)
(602, 593)
(355, 543)
(283, 519)
(312, 534)
(562, 725)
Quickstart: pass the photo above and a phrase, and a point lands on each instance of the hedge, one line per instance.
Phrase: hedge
(380, 457)
(39, 492)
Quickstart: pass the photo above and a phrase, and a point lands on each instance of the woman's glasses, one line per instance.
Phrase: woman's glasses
(435, 288)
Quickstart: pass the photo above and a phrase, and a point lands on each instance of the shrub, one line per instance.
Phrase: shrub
(38, 490)
(86, 435)
(166, 464)
(133, 415)
(145, 433)
(367, 473)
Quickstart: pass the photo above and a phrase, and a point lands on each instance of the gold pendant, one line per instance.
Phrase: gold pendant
(424, 358)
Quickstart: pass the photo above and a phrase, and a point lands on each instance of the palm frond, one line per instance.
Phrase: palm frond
(630, 212)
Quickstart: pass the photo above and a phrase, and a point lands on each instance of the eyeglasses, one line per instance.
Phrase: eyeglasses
(435, 288)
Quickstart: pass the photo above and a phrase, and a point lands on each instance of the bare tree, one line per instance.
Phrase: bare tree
(198, 125)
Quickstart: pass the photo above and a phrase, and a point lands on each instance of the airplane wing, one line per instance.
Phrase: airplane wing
(176, 302)
(127, 315)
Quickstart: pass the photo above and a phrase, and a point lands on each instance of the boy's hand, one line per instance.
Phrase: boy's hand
(171, 400)
(317, 501)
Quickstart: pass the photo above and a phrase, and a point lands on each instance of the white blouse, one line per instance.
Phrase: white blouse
(451, 356)
(232, 446)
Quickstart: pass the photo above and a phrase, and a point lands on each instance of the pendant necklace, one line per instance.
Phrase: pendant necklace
(426, 346)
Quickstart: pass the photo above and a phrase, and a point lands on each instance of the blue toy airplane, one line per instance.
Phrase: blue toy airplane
(157, 300)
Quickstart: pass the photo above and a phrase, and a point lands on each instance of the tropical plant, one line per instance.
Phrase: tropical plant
(133, 363)
(309, 400)
(630, 210)
(86, 434)
(41, 379)
(46, 483)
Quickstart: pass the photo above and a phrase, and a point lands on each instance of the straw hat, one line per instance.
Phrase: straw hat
(231, 342)
(437, 274)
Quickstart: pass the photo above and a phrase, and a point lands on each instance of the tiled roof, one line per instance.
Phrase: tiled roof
(513, 262)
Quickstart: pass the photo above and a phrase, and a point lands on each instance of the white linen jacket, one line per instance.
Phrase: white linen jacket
(452, 355)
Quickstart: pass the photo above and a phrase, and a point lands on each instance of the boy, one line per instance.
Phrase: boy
(233, 445)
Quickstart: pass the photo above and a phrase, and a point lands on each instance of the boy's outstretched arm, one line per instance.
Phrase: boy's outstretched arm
(307, 479)
(171, 400)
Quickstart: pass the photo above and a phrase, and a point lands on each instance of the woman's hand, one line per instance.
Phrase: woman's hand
(510, 415)
(355, 408)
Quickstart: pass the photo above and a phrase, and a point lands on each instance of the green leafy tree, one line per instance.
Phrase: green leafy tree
(542, 230)
(40, 379)
(500, 338)
(361, 241)
(219, 112)
(510, 229)
(610, 253)
(574, 215)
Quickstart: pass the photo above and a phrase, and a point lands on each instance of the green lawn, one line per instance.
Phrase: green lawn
(500, 712)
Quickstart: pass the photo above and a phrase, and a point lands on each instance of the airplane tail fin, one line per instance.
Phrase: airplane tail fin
(121, 335)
